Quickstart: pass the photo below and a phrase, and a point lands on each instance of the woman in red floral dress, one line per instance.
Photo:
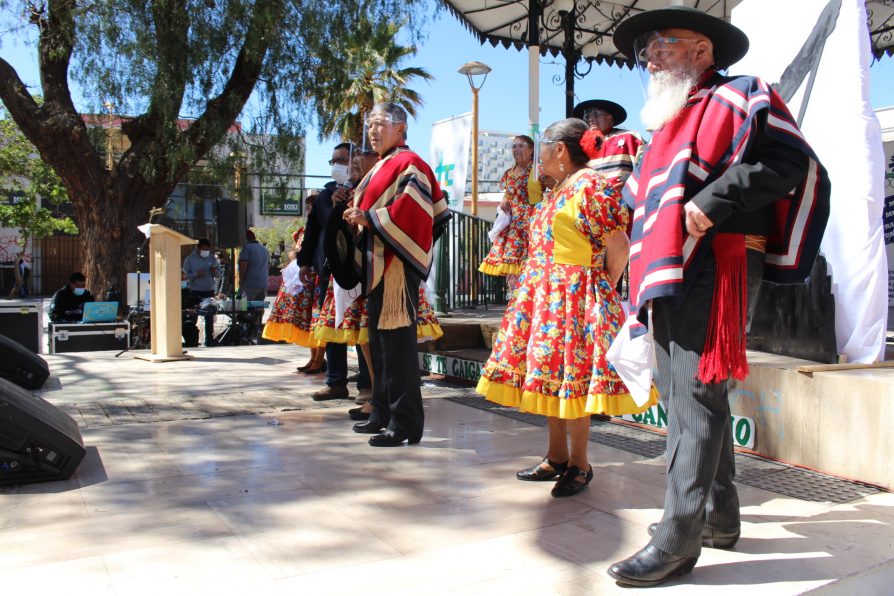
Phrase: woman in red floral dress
(509, 251)
(549, 357)
(291, 317)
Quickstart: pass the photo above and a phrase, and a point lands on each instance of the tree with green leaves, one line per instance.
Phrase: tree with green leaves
(31, 191)
(183, 71)
(371, 73)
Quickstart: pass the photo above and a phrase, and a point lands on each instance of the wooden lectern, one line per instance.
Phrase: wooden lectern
(165, 306)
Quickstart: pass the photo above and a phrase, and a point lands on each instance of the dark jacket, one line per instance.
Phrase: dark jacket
(66, 307)
(312, 253)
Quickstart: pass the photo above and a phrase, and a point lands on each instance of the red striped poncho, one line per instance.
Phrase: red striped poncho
(712, 133)
(405, 208)
(618, 156)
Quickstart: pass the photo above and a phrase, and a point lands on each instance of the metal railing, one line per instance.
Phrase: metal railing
(458, 253)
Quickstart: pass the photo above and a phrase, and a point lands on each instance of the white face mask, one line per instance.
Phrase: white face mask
(340, 173)
(204, 253)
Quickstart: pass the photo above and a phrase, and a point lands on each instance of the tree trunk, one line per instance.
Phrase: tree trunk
(109, 236)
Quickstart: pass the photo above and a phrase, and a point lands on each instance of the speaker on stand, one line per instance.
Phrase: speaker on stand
(38, 441)
(231, 235)
(230, 224)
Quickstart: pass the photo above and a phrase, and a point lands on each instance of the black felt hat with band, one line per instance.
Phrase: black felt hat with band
(618, 113)
(338, 245)
(730, 42)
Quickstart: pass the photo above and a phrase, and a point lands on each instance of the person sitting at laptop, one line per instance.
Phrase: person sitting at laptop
(68, 301)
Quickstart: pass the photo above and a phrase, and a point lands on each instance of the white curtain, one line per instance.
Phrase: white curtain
(842, 128)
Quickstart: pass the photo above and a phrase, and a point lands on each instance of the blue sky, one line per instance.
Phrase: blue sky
(503, 101)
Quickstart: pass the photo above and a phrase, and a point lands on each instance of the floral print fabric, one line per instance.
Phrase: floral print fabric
(549, 356)
(508, 253)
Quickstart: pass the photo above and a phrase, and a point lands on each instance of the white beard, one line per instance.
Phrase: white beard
(668, 92)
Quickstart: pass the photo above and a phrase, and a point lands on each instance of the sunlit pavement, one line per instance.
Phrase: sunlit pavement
(188, 488)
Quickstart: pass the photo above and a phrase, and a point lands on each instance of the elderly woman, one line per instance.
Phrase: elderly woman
(549, 357)
(508, 253)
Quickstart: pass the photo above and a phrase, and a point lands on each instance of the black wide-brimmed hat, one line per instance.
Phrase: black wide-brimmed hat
(618, 113)
(338, 246)
(730, 42)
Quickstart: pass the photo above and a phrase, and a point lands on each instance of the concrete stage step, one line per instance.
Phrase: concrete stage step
(834, 419)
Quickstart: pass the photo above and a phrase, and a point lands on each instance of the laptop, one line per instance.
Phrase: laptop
(100, 312)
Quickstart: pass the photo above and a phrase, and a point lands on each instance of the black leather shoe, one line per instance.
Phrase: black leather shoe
(390, 438)
(711, 537)
(572, 482)
(649, 567)
(547, 469)
(368, 428)
(358, 414)
(320, 368)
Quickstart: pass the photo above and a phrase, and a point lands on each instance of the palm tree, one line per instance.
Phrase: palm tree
(371, 74)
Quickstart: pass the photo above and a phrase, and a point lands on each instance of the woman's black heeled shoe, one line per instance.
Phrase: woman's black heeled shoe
(539, 473)
(570, 482)
(358, 414)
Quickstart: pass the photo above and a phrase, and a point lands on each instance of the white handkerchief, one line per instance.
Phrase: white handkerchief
(633, 359)
(501, 223)
(343, 300)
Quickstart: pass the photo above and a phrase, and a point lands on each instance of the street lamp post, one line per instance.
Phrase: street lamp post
(471, 70)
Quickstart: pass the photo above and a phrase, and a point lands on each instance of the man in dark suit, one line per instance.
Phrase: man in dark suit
(311, 257)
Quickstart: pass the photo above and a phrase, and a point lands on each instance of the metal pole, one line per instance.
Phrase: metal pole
(474, 151)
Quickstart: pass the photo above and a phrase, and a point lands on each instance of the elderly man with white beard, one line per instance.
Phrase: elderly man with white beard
(728, 192)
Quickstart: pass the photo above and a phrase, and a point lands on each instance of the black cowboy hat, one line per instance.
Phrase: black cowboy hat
(730, 42)
(618, 113)
(338, 246)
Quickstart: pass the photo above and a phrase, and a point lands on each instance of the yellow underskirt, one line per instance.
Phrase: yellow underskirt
(430, 332)
(351, 337)
(568, 409)
(501, 269)
(290, 333)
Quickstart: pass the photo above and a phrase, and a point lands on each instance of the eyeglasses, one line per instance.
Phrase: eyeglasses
(659, 46)
(592, 114)
(341, 160)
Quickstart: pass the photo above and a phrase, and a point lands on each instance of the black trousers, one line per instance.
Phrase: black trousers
(700, 456)
(396, 396)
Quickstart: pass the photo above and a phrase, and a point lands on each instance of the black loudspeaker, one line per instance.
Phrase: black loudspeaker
(21, 366)
(38, 441)
(230, 224)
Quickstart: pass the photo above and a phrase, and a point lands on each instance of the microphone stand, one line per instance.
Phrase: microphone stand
(135, 317)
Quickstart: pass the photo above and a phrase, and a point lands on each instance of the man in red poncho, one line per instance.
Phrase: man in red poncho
(727, 192)
(401, 209)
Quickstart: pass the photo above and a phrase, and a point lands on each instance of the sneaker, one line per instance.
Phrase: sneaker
(331, 392)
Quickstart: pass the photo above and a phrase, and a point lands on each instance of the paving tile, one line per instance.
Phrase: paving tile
(187, 489)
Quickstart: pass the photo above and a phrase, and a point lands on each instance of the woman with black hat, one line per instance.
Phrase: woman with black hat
(620, 147)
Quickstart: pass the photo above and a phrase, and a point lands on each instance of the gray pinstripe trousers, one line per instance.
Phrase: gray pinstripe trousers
(700, 462)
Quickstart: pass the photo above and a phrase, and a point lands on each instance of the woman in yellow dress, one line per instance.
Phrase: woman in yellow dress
(509, 251)
(549, 357)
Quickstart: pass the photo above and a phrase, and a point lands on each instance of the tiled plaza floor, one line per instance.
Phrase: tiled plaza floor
(187, 489)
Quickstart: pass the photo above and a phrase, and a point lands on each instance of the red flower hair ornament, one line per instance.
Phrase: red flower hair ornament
(591, 143)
